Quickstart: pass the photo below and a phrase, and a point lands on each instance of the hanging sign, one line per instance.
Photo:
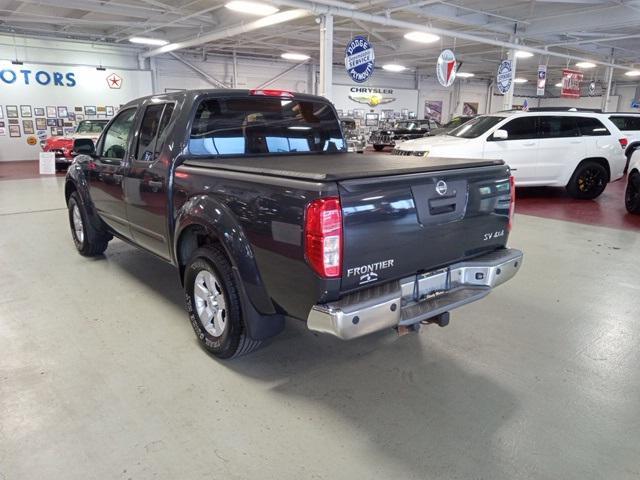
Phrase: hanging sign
(592, 88)
(359, 59)
(504, 76)
(542, 80)
(446, 68)
(571, 83)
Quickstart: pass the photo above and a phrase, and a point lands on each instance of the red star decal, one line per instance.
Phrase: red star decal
(114, 81)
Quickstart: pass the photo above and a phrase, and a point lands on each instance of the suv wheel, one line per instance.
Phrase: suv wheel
(378, 148)
(588, 181)
(632, 194)
(213, 304)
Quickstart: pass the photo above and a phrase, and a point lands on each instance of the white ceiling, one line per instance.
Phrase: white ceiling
(585, 28)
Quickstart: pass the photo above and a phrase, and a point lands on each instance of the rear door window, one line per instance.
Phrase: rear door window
(523, 128)
(625, 123)
(558, 127)
(264, 125)
(591, 126)
(155, 119)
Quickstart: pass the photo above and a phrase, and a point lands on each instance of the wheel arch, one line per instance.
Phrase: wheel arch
(601, 160)
(631, 148)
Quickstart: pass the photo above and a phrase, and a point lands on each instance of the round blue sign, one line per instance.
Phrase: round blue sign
(504, 76)
(359, 59)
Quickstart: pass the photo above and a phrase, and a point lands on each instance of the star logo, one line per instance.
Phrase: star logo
(114, 81)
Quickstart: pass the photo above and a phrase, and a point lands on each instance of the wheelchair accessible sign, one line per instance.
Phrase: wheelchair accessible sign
(359, 59)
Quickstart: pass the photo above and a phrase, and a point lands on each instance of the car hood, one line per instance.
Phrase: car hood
(428, 143)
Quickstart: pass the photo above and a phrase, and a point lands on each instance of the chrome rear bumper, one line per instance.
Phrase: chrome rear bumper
(416, 298)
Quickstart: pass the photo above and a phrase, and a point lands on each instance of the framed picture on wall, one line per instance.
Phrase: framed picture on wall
(25, 111)
(88, 110)
(51, 122)
(27, 127)
(79, 117)
(67, 124)
(38, 112)
(1, 112)
(470, 108)
(71, 117)
(109, 111)
(59, 122)
(41, 123)
(14, 121)
(52, 112)
(3, 130)
(78, 109)
(69, 130)
(14, 131)
(62, 112)
(12, 111)
(101, 109)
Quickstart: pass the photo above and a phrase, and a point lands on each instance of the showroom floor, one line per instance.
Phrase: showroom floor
(102, 377)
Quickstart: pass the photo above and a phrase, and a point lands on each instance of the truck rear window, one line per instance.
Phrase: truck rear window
(264, 125)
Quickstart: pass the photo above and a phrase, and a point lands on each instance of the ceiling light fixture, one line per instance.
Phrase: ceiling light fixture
(149, 41)
(465, 74)
(559, 84)
(392, 67)
(422, 37)
(251, 8)
(585, 65)
(523, 54)
(298, 57)
(520, 80)
(632, 73)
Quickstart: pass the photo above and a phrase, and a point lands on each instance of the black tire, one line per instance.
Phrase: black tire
(588, 181)
(378, 148)
(230, 339)
(632, 194)
(88, 240)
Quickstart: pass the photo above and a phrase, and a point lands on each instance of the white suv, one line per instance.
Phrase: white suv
(577, 150)
(632, 194)
(629, 125)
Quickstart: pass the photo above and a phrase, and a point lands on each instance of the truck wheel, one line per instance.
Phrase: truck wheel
(632, 194)
(378, 148)
(213, 304)
(87, 239)
(588, 181)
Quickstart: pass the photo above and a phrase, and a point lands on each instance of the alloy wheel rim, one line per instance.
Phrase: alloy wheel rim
(590, 179)
(78, 226)
(210, 303)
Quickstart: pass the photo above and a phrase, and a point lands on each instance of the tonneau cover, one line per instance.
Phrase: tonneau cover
(338, 166)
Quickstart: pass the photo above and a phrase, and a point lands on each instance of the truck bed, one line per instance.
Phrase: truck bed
(337, 166)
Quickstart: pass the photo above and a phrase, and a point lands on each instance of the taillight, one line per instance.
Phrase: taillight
(271, 93)
(623, 142)
(512, 201)
(323, 236)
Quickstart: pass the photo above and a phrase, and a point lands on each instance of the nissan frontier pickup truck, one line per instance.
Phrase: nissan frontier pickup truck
(254, 199)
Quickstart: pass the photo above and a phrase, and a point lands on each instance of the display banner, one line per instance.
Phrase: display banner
(433, 110)
(359, 59)
(504, 76)
(542, 80)
(571, 83)
(446, 68)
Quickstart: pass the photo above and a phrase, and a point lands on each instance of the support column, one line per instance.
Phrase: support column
(235, 70)
(607, 93)
(507, 99)
(326, 56)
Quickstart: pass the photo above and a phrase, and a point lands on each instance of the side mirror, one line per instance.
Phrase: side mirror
(84, 146)
(500, 134)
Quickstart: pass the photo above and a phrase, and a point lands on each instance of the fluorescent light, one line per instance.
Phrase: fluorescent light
(149, 41)
(392, 67)
(422, 37)
(523, 54)
(559, 84)
(16, 62)
(251, 8)
(300, 57)
(465, 74)
(520, 80)
(299, 127)
(585, 64)
(632, 73)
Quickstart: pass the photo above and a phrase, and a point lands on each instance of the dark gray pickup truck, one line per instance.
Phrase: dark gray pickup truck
(252, 196)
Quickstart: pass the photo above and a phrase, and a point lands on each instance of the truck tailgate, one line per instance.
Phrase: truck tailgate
(401, 225)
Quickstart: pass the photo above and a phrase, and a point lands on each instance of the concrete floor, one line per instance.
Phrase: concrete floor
(101, 376)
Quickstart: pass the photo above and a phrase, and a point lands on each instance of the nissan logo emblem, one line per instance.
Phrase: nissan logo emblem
(441, 187)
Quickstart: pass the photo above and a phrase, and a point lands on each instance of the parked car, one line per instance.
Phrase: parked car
(63, 146)
(581, 151)
(253, 197)
(632, 193)
(355, 137)
(401, 131)
(629, 125)
(450, 125)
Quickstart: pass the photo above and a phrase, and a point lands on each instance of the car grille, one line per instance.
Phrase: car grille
(407, 153)
(382, 139)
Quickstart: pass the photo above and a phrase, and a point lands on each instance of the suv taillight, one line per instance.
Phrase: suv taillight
(623, 142)
(512, 201)
(323, 236)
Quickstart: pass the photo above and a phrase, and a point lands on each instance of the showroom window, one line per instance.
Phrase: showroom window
(591, 126)
(522, 128)
(117, 136)
(264, 125)
(558, 127)
(156, 117)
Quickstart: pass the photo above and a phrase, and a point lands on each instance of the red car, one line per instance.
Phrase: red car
(63, 146)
